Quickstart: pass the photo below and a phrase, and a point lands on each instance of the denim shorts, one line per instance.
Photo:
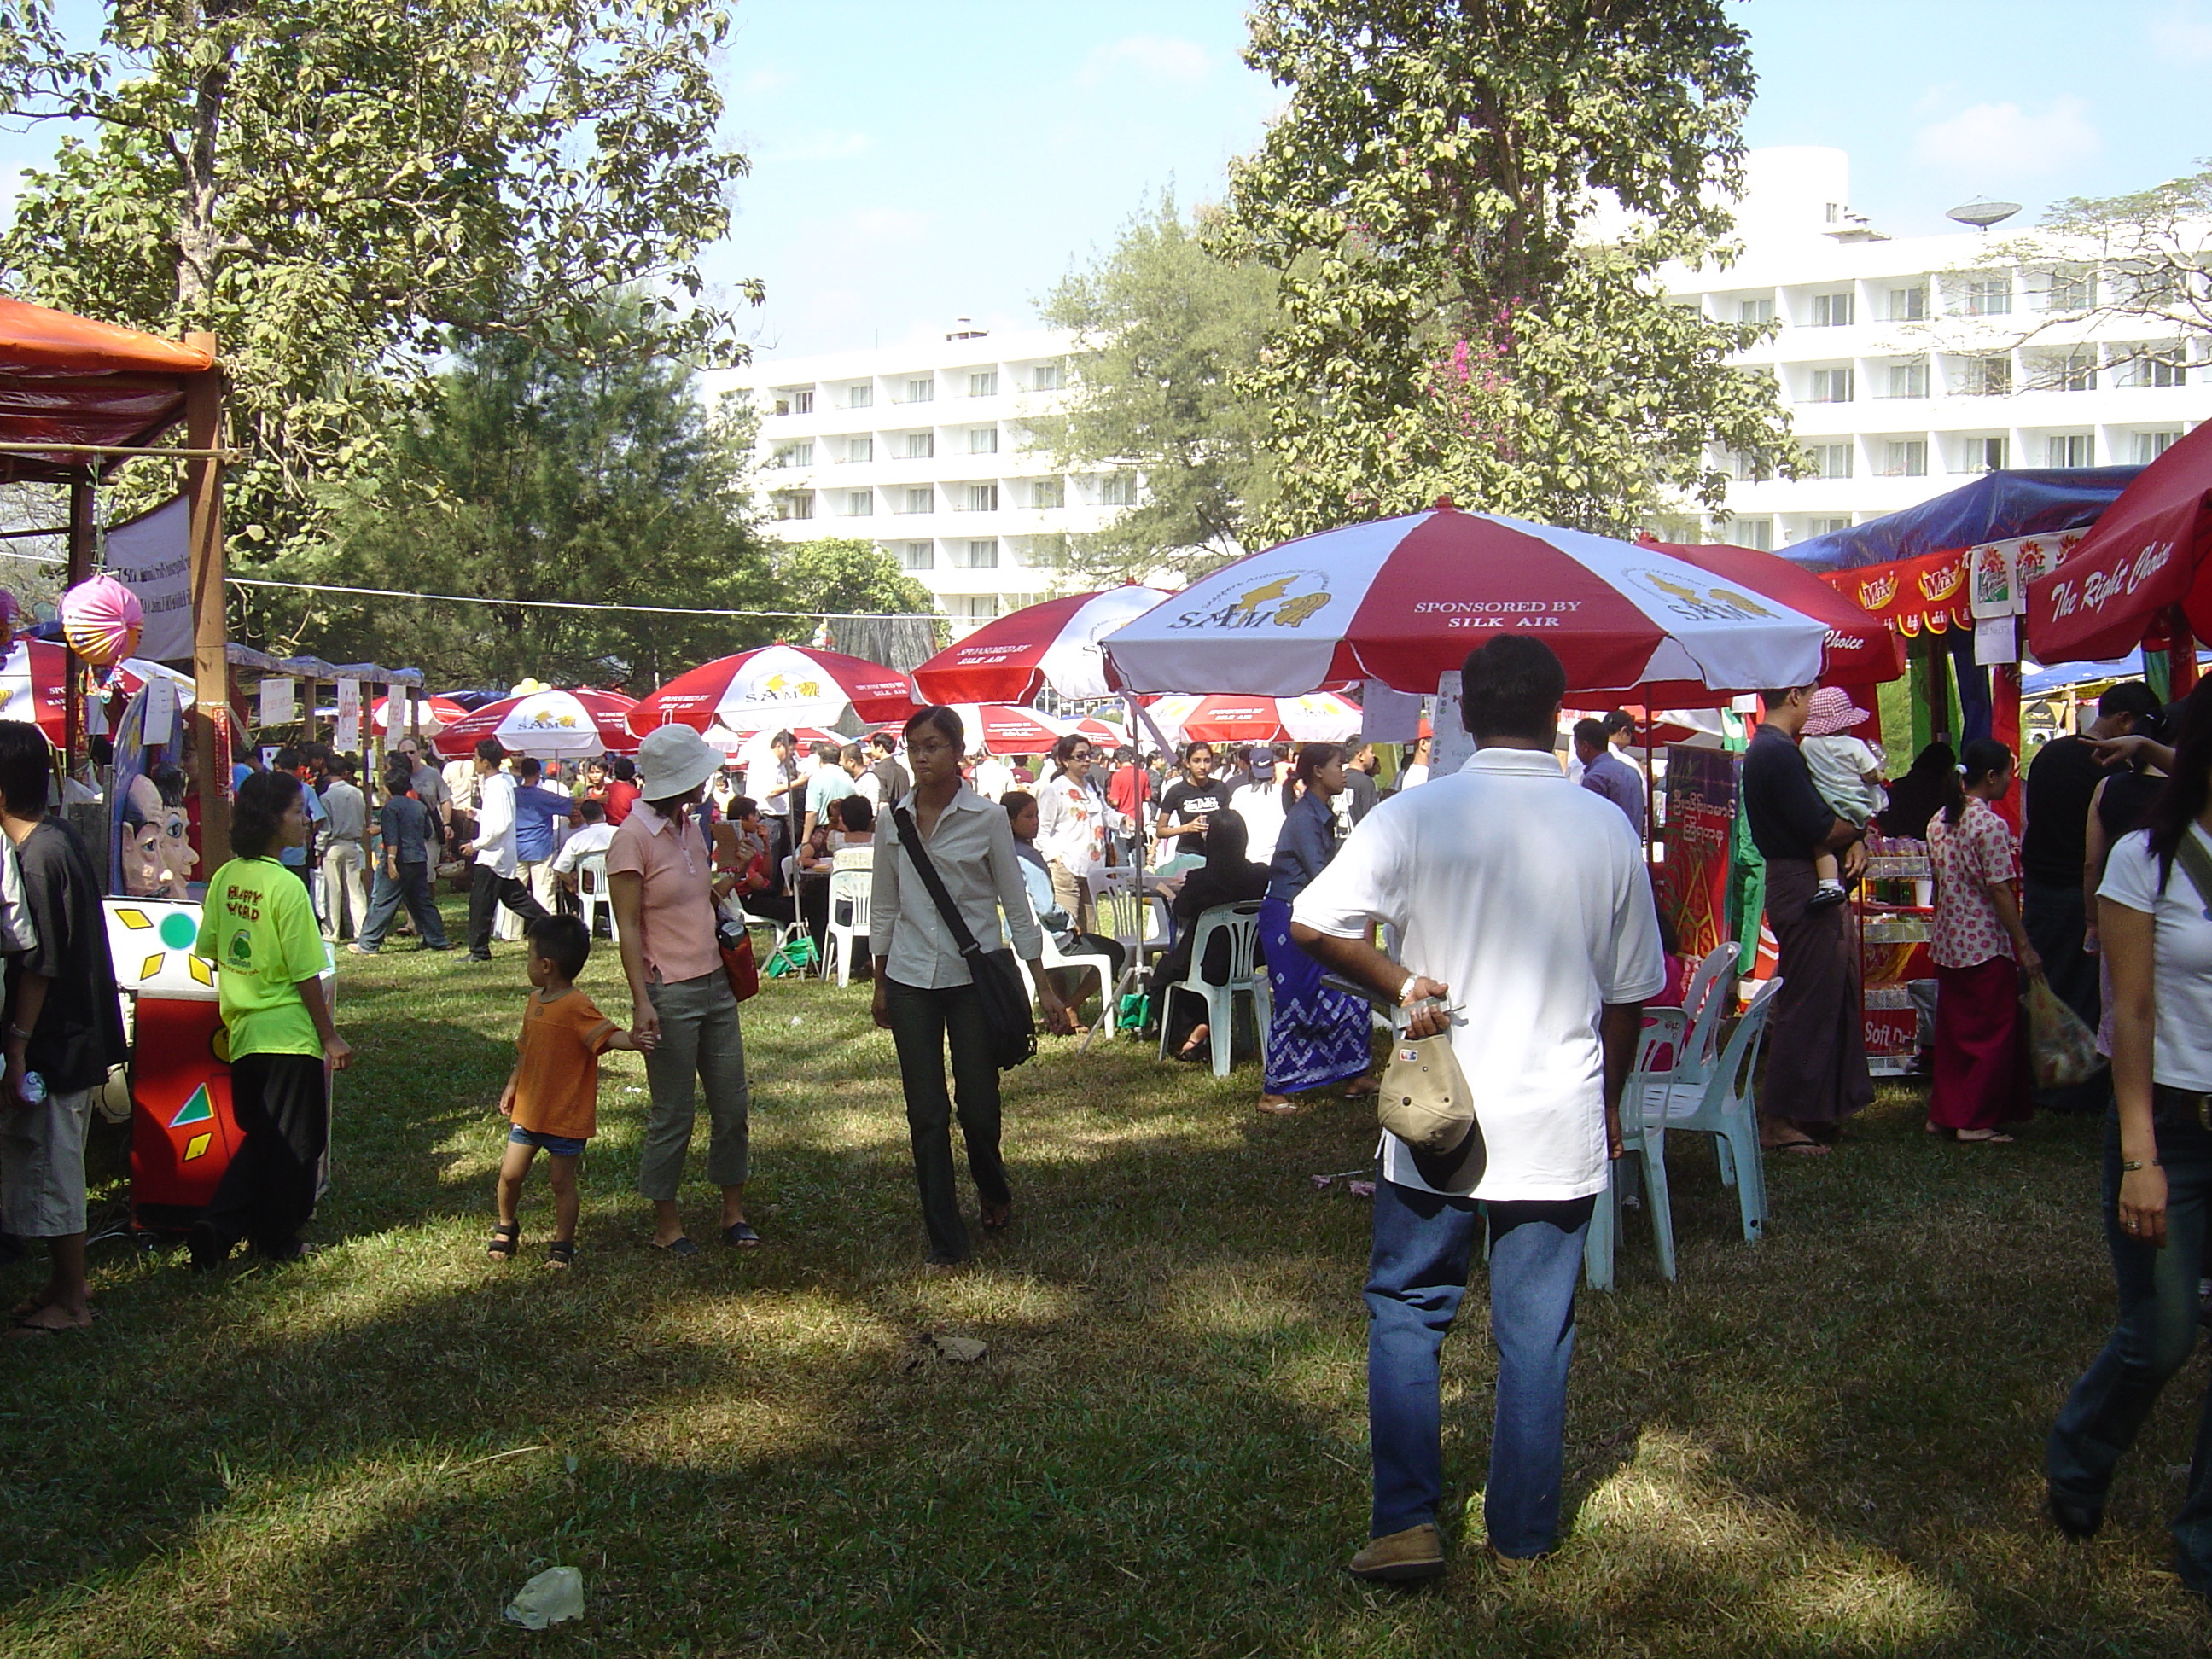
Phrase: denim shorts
(559, 1146)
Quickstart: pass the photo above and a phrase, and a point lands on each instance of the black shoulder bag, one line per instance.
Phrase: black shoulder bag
(997, 980)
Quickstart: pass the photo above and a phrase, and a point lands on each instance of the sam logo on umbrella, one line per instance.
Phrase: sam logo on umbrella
(1285, 600)
(1708, 604)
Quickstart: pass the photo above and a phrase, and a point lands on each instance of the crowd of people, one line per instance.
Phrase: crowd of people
(973, 864)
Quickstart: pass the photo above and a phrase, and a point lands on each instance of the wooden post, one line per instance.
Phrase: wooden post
(81, 532)
(203, 400)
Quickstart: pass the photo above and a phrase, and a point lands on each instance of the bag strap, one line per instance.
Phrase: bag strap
(2196, 864)
(910, 839)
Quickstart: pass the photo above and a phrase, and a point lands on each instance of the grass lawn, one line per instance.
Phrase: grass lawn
(1829, 1443)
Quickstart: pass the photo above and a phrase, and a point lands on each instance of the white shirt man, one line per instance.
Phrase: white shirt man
(993, 777)
(1526, 902)
(1258, 802)
(493, 882)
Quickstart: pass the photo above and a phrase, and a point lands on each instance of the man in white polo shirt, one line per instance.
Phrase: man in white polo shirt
(1524, 903)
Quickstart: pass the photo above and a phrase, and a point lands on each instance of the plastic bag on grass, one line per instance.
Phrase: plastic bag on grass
(554, 1594)
(2062, 1050)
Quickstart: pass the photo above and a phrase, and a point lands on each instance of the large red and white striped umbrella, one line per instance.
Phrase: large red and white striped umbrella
(31, 686)
(999, 728)
(437, 715)
(1317, 717)
(776, 687)
(1055, 644)
(550, 725)
(1403, 600)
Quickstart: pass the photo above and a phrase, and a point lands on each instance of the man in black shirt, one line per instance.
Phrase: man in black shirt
(1816, 1064)
(2062, 778)
(884, 750)
(1360, 785)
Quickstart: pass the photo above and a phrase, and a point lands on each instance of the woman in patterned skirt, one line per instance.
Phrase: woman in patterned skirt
(1315, 1036)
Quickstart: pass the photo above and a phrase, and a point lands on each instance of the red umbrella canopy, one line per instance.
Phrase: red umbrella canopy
(436, 713)
(2145, 553)
(31, 686)
(1863, 649)
(1403, 600)
(548, 724)
(776, 686)
(1055, 644)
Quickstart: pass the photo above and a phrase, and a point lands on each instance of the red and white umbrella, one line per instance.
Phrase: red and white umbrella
(133, 674)
(31, 687)
(746, 747)
(1054, 643)
(1317, 717)
(550, 725)
(1862, 649)
(776, 688)
(1403, 600)
(437, 714)
(999, 728)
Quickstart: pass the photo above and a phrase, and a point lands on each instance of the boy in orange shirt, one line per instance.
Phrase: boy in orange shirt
(553, 1097)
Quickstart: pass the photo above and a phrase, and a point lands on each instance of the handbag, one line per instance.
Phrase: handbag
(1005, 1003)
(735, 942)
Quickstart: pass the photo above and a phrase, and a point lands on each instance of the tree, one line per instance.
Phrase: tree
(839, 575)
(335, 185)
(577, 473)
(1469, 206)
(1163, 331)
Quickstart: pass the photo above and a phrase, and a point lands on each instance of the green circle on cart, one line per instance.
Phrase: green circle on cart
(178, 932)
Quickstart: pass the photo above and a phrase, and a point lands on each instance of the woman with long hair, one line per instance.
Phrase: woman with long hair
(1981, 950)
(1073, 828)
(1316, 1036)
(2154, 925)
(926, 994)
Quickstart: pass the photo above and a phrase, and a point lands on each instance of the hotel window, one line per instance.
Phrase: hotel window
(1826, 526)
(1048, 492)
(1987, 377)
(1907, 458)
(1990, 296)
(1754, 310)
(983, 555)
(918, 556)
(1908, 304)
(920, 392)
(983, 498)
(920, 500)
(861, 504)
(1745, 467)
(861, 397)
(1984, 455)
(796, 455)
(802, 403)
(1833, 310)
(2074, 372)
(983, 440)
(1752, 532)
(985, 385)
(795, 507)
(2165, 366)
(1048, 377)
(2071, 449)
(859, 449)
(1832, 385)
(1118, 489)
(1909, 379)
(2072, 290)
(921, 445)
(2149, 446)
(1833, 461)
(973, 607)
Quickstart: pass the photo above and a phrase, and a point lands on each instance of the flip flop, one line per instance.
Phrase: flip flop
(741, 1235)
(681, 1245)
(1807, 1148)
(1994, 1137)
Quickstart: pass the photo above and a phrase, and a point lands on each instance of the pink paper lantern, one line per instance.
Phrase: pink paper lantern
(100, 619)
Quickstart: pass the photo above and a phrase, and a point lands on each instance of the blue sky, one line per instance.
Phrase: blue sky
(917, 160)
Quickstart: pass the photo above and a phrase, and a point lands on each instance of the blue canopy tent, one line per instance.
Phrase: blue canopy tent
(1995, 507)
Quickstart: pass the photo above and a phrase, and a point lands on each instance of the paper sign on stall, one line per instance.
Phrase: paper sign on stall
(348, 736)
(277, 704)
(161, 721)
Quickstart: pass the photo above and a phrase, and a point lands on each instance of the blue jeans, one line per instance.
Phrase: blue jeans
(2156, 1332)
(1423, 1243)
(413, 889)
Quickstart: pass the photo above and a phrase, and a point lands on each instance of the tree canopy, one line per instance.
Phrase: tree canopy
(838, 575)
(1163, 330)
(1467, 206)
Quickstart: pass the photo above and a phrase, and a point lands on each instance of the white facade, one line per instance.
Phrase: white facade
(930, 453)
(1910, 364)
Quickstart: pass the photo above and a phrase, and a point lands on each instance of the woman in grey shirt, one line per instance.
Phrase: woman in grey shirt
(926, 996)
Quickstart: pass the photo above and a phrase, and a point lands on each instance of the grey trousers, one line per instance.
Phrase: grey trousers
(698, 1040)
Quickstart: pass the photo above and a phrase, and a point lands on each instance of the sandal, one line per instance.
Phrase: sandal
(504, 1237)
(997, 1218)
(741, 1233)
(1804, 1147)
(1366, 1088)
(1280, 1105)
(1981, 1138)
(679, 1245)
(561, 1253)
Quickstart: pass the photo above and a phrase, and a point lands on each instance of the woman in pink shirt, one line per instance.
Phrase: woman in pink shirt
(661, 878)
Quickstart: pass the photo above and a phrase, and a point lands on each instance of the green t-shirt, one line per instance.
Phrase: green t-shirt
(259, 930)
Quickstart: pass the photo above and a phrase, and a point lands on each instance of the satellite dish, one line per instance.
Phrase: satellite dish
(1982, 215)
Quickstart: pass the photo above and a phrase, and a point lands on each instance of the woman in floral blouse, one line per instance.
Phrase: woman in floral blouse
(1981, 950)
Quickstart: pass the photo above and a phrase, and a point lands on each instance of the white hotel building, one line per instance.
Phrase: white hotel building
(1907, 364)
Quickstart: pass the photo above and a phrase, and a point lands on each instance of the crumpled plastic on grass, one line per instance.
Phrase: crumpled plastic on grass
(555, 1594)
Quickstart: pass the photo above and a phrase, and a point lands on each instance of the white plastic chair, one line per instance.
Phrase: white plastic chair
(591, 894)
(1052, 956)
(1241, 924)
(853, 889)
(1720, 1104)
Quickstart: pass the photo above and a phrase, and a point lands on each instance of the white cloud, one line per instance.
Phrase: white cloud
(822, 147)
(2005, 140)
(2184, 33)
(1157, 58)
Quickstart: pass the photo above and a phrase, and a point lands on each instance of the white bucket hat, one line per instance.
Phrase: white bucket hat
(674, 760)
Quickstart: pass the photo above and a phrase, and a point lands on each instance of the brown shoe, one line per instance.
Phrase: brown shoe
(1403, 1556)
(1511, 1566)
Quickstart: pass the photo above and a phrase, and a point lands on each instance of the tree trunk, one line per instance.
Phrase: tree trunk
(199, 239)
